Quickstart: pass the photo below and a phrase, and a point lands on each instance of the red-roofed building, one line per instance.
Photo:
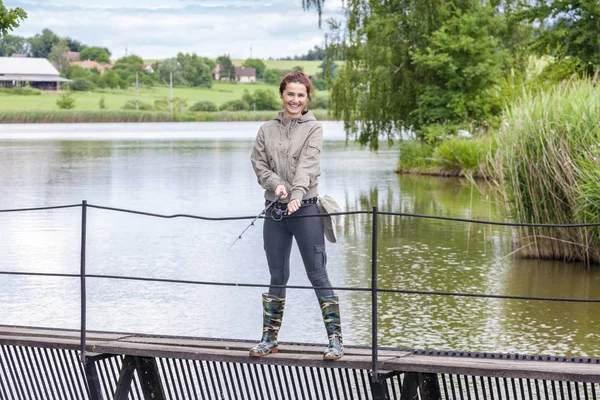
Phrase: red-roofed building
(245, 75)
(73, 56)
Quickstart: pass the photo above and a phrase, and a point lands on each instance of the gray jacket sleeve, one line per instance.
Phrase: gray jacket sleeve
(267, 178)
(309, 163)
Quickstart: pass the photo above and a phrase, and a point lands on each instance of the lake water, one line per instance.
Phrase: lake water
(204, 169)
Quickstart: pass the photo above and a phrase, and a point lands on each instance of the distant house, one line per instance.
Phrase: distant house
(245, 75)
(216, 72)
(148, 68)
(73, 56)
(39, 73)
(90, 64)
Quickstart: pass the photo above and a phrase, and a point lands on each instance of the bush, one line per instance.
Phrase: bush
(204, 106)
(266, 99)
(102, 103)
(143, 106)
(164, 104)
(21, 91)
(234, 105)
(462, 155)
(82, 85)
(414, 154)
(320, 83)
(66, 101)
(272, 76)
(319, 103)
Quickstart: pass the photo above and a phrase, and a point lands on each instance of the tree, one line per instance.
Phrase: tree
(41, 45)
(132, 60)
(75, 72)
(272, 76)
(316, 53)
(58, 56)
(168, 66)
(74, 45)
(227, 67)
(392, 48)
(99, 54)
(10, 45)
(10, 18)
(567, 29)
(197, 71)
(257, 64)
(65, 101)
(461, 67)
(111, 79)
(265, 99)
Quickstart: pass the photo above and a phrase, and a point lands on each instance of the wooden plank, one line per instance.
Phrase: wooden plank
(561, 371)
(294, 354)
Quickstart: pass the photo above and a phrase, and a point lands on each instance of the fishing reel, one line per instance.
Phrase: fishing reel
(277, 213)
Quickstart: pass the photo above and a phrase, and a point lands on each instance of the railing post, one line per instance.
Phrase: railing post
(375, 345)
(82, 279)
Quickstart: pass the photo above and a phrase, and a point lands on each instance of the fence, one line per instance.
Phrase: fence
(381, 383)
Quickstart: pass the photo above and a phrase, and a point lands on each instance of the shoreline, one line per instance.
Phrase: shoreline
(122, 116)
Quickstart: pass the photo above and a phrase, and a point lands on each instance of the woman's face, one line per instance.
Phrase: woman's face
(294, 99)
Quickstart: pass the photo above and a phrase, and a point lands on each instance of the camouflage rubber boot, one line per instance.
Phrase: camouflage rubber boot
(272, 316)
(330, 308)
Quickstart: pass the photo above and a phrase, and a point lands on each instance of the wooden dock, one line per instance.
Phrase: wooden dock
(391, 362)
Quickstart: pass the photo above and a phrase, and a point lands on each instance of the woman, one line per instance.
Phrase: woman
(286, 159)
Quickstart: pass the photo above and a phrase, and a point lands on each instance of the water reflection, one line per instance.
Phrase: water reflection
(445, 256)
(213, 177)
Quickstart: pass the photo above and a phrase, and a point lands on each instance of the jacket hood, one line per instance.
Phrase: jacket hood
(309, 116)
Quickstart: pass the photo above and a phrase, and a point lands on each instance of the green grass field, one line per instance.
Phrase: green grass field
(114, 99)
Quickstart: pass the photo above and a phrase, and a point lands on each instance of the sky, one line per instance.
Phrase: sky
(157, 29)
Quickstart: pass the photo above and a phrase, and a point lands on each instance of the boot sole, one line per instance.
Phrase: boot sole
(274, 351)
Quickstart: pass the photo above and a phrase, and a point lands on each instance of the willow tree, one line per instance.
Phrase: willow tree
(10, 18)
(414, 63)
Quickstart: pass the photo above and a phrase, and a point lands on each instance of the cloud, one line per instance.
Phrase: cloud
(149, 28)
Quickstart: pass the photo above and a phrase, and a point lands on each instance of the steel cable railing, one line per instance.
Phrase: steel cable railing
(374, 289)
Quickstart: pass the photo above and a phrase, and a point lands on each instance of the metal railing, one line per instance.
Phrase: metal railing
(374, 290)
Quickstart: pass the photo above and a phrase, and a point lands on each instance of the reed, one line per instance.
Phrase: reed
(465, 156)
(233, 116)
(547, 170)
(73, 116)
(459, 157)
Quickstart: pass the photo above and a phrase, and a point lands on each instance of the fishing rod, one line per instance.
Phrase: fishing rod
(275, 200)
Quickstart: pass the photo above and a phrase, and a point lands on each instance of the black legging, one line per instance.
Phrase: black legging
(311, 242)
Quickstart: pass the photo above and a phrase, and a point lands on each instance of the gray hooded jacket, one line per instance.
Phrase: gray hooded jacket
(287, 152)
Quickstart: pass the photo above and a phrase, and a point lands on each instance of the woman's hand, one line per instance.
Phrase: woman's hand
(280, 190)
(293, 206)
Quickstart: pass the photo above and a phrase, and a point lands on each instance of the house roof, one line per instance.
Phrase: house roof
(26, 66)
(91, 64)
(241, 71)
(73, 55)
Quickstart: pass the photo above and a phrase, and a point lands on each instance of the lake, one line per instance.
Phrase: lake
(204, 169)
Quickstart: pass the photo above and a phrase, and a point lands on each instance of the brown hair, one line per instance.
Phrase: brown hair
(297, 77)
